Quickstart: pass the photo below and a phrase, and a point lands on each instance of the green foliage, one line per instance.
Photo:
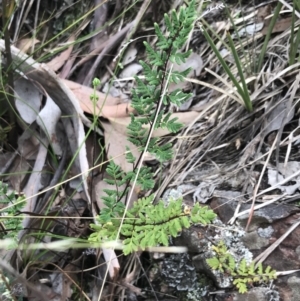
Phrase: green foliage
(268, 36)
(157, 70)
(147, 225)
(242, 91)
(11, 204)
(242, 273)
(295, 37)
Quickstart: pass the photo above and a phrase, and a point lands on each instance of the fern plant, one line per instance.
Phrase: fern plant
(146, 224)
(243, 274)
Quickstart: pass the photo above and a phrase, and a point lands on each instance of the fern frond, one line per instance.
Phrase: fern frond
(178, 97)
(213, 263)
(154, 57)
(242, 272)
(147, 225)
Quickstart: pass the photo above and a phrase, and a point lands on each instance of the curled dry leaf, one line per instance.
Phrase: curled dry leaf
(69, 105)
(47, 120)
(34, 183)
(28, 103)
(28, 99)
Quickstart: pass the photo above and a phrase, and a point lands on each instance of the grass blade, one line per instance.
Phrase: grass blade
(294, 44)
(227, 69)
(246, 97)
(268, 35)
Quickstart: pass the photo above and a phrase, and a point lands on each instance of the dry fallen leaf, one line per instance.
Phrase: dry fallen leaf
(283, 172)
(58, 61)
(28, 99)
(117, 111)
(83, 94)
(116, 142)
(26, 44)
(194, 62)
(99, 185)
(263, 12)
(107, 106)
(277, 118)
(280, 25)
(47, 120)
(264, 15)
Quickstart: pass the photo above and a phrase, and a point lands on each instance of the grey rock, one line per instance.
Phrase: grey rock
(265, 232)
(254, 242)
(298, 252)
(178, 272)
(294, 284)
(191, 238)
(273, 212)
(256, 294)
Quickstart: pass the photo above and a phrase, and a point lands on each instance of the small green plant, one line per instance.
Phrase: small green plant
(295, 37)
(243, 274)
(10, 205)
(268, 36)
(243, 91)
(147, 224)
